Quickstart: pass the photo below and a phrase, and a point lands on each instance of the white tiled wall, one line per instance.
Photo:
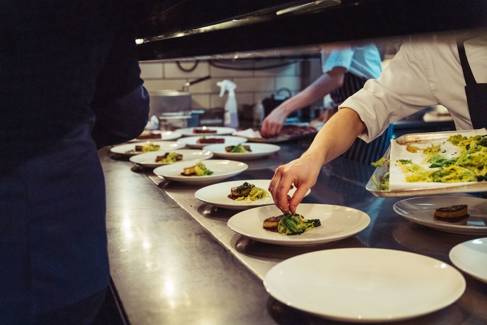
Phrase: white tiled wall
(252, 85)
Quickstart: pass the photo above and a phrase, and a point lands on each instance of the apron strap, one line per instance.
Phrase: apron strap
(467, 71)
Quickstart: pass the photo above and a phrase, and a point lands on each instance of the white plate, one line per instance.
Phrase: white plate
(219, 131)
(222, 169)
(163, 136)
(420, 210)
(217, 195)
(471, 258)
(149, 159)
(337, 222)
(192, 142)
(365, 284)
(259, 150)
(124, 149)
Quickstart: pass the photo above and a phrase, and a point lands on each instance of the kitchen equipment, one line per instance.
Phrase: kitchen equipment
(169, 101)
(174, 121)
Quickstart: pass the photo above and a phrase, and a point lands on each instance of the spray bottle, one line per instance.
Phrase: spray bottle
(231, 115)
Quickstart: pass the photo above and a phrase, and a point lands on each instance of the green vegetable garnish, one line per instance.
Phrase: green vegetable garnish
(295, 224)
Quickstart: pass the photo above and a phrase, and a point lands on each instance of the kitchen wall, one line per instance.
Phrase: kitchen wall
(252, 85)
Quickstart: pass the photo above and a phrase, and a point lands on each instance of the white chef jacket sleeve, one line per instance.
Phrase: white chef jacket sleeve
(401, 90)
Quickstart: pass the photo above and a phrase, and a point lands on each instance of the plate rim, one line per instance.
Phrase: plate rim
(305, 241)
(179, 146)
(459, 265)
(131, 159)
(367, 320)
(201, 178)
(470, 229)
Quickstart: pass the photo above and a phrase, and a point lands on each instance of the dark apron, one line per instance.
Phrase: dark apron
(476, 93)
(360, 150)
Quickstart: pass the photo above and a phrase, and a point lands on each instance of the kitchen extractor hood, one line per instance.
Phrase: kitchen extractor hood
(195, 28)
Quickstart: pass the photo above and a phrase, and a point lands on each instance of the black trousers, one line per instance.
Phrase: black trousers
(80, 313)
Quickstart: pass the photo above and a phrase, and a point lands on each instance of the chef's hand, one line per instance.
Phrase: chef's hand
(273, 123)
(302, 173)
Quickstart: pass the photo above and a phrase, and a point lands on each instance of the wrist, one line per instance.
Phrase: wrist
(315, 157)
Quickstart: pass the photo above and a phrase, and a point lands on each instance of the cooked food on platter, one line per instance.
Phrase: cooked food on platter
(203, 130)
(210, 140)
(239, 148)
(146, 147)
(247, 192)
(169, 158)
(290, 224)
(197, 170)
(452, 213)
(459, 159)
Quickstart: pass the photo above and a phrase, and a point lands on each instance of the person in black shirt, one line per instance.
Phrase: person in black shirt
(69, 84)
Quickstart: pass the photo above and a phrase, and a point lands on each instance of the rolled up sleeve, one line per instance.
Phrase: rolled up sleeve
(401, 90)
(340, 58)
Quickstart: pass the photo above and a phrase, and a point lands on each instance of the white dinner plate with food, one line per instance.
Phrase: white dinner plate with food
(471, 258)
(335, 223)
(206, 130)
(238, 195)
(192, 172)
(243, 151)
(203, 141)
(157, 135)
(365, 285)
(159, 158)
(137, 148)
(421, 210)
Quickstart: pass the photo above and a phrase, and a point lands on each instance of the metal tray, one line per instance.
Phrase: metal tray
(418, 138)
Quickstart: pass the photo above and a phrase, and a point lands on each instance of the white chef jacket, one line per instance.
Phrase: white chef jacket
(423, 73)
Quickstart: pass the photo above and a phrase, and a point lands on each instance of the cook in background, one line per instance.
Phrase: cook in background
(344, 72)
(425, 72)
(70, 82)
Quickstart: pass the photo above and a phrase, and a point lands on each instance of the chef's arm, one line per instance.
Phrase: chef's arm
(121, 103)
(322, 86)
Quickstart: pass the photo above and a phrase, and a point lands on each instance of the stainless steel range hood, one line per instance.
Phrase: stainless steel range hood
(212, 29)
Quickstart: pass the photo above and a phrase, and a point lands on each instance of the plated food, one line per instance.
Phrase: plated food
(238, 195)
(157, 135)
(365, 285)
(459, 214)
(169, 158)
(202, 141)
(288, 133)
(243, 151)
(135, 148)
(290, 224)
(195, 173)
(198, 170)
(158, 158)
(210, 130)
(247, 192)
(338, 222)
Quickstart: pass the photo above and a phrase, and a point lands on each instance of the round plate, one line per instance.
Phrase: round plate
(420, 210)
(149, 159)
(219, 131)
(222, 169)
(337, 222)
(259, 150)
(192, 142)
(162, 136)
(365, 284)
(125, 149)
(217, 195)
(471, 258)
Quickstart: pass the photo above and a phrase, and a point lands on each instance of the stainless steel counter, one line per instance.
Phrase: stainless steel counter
(169, 270)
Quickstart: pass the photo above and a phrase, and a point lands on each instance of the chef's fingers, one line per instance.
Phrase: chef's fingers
(281, 197)
(298, 197)
(275, 181)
